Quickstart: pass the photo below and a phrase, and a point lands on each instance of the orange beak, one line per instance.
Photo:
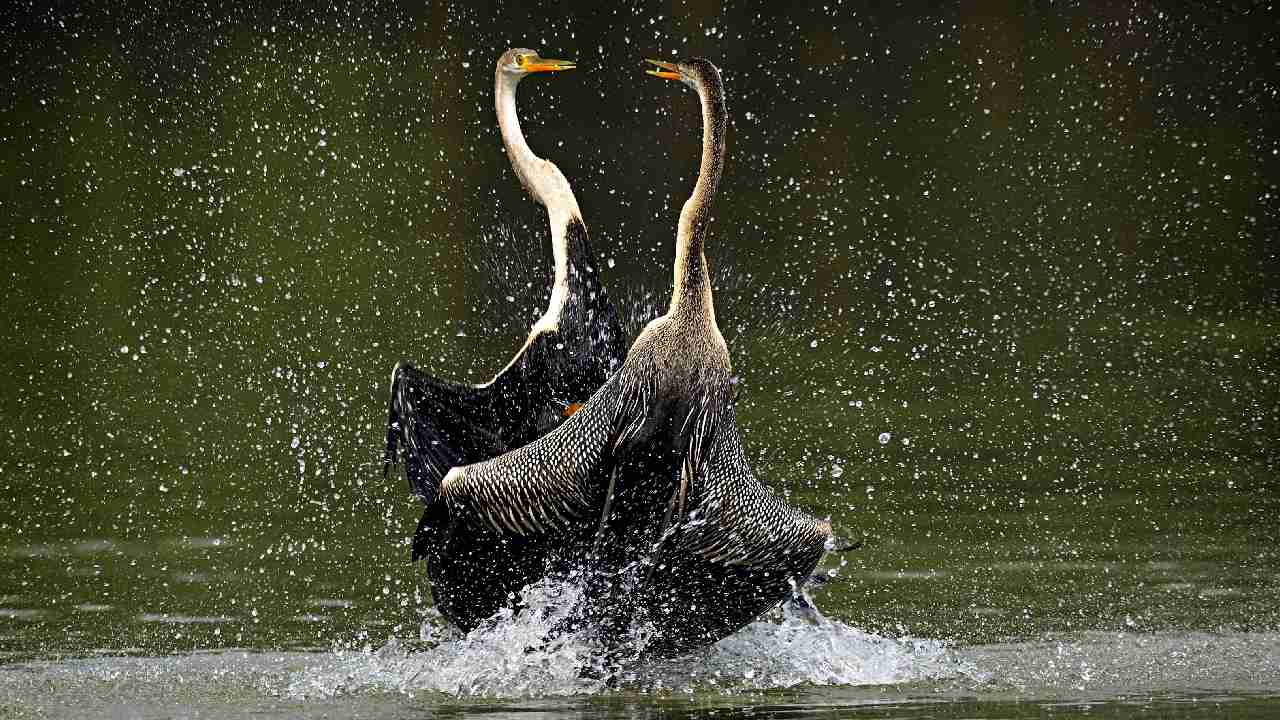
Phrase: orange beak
(667, 70)
(548, 65)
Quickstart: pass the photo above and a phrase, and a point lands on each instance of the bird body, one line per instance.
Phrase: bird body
(436, 424)
(645, 493)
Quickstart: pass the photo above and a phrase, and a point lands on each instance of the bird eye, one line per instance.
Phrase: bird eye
(520, 59)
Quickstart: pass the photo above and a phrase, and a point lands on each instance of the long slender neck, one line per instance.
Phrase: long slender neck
(692, 291)
(541, 178)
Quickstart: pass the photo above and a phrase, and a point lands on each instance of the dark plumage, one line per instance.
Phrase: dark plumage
(436, 424)
(646, 491)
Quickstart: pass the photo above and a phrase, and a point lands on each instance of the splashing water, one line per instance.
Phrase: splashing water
(507, 656)
(510, 656)
(801, 646)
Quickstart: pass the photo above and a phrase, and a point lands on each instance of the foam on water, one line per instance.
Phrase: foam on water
(510, 657)
(831, 665)
(806, 648)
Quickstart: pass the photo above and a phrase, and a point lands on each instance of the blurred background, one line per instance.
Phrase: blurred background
(999, 280)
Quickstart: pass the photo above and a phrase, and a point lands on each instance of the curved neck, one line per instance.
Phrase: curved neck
(692, 280)
(541, 178)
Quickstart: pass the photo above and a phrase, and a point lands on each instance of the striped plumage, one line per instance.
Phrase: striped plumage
(646, 490)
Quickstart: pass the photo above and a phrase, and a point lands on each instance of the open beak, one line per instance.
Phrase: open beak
(665, 70)
(548, 65)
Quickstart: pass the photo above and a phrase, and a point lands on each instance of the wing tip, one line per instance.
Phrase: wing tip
(395, 416)
(836, 544)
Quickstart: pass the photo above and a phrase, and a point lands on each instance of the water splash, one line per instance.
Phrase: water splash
(509, 656)
(800, 646)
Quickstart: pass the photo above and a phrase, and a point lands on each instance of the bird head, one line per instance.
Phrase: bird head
(523, 61)
(694, 72)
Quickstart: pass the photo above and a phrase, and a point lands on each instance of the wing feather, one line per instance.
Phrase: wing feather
(739, 521)
(549, 484)
(433, 425)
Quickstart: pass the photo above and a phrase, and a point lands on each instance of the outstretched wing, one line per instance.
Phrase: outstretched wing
(551, 483)
(434, 425)
(569, 353)
(737, 521)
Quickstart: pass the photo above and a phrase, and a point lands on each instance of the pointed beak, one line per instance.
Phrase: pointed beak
(548, 65)
(665, 70)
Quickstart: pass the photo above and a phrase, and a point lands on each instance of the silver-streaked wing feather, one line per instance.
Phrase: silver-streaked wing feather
(737, 520)
(549, 484)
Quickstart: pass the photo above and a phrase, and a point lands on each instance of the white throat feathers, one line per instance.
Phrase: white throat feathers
(544, 182)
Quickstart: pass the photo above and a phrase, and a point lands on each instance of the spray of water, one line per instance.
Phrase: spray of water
(511, 656)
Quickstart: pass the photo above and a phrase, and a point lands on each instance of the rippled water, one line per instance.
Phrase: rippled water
(790, 666)
(793, 663)
(999, 284)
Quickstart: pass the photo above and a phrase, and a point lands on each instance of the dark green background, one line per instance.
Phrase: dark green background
(1035, 243)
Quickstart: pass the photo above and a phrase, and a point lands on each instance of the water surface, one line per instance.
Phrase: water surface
(999, 284)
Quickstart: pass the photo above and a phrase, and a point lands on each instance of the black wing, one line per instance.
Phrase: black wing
(437, 424)
(434, 425)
